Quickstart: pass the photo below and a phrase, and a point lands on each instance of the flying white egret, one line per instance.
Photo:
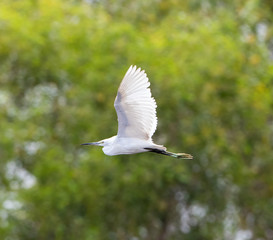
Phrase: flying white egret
(137, 121)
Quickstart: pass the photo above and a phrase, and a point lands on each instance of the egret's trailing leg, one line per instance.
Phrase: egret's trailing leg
(176, 155)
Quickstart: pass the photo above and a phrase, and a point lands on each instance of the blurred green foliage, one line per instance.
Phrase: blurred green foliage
(210, 67)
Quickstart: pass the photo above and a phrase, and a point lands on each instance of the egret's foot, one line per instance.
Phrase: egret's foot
(184, 156)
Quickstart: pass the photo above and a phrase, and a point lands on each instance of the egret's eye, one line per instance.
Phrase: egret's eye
(102, 142)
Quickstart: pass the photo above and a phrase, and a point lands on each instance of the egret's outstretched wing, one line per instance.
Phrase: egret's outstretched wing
(135, 106)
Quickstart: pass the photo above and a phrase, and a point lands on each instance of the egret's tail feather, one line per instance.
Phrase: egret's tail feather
(176, 155)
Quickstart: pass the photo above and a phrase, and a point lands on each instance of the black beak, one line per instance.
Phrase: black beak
(92, 143)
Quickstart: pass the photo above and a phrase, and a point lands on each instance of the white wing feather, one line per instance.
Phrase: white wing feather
(135, 106)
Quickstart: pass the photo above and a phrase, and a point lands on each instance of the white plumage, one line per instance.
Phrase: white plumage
(137, 121)
(135, 106)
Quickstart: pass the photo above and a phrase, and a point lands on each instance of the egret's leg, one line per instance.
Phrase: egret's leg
(176, 155)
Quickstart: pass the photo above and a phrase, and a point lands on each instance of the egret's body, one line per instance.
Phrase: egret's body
(137, 121)
(117, 146)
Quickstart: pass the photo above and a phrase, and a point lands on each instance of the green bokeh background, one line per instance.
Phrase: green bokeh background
(210, 67)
